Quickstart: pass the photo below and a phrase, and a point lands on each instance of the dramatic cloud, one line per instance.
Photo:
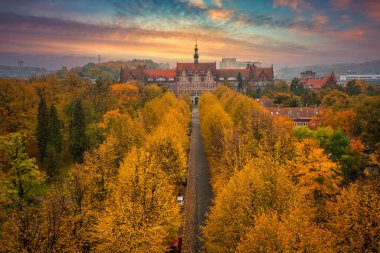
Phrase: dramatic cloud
(165, 30)
(293, 4)
(218, 3)
(220, 15)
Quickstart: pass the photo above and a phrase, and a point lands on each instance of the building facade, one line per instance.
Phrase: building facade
(301, 116)
(232, 63)
(196, 78)
(308, 74)
(317, 83)
(374, 79)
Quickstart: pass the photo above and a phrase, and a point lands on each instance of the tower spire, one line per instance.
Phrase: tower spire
(196, 55)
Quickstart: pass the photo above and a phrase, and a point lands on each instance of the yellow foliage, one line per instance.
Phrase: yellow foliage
(142, 214)
(168, 144)
(292, 233)
(155, 110)
(259, 187)
(355, 218)
(313, 172)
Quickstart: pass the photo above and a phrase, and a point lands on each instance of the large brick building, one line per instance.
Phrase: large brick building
(196, 78)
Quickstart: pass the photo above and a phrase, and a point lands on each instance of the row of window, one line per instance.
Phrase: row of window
(196, 79)
(300, 123)
(193, 92)
(197, 85)
(160, 79)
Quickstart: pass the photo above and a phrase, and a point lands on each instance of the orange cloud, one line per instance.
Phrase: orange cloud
(220, 15)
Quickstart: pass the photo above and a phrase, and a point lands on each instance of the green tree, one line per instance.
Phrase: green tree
(20, 173)
(78, 138)
(55, 135)
(352, 88)
(297, 87)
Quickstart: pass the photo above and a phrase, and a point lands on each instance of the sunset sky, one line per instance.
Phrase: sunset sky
(53, 33)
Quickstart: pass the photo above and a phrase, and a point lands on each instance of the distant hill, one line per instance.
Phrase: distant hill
(111, 70)
(16, 72)
(371, 67)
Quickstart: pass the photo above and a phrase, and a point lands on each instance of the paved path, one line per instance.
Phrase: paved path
(198, 194)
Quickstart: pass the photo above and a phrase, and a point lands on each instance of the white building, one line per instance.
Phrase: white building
(370, 78)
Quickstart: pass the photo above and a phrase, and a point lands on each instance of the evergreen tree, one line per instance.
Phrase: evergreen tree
(55, 135)
(240, 81)
(296, 87)
(78, 138)
(54, 146)
(42, 127)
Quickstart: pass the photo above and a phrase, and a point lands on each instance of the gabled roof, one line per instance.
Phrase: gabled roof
(317, 83)
(167, 73)
(201, 66)
(262, 74)
(233, 73)
(131, 74)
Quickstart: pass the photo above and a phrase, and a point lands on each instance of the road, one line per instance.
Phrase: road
(198, 193)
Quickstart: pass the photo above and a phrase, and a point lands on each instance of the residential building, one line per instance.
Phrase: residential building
(300, 116)
(317, 83)
(369, 78)
(308, 74)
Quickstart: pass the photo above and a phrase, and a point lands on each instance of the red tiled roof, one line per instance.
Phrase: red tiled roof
(263, 74)
(167, 73)
(233, 73)
(317, 83)
(201, 66)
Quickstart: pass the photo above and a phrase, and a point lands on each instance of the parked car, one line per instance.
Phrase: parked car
(180, 200)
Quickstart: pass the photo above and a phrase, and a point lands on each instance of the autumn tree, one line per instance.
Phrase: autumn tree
(141, 215)
(20, 180)
(166, 144)
(294, 231)
(317, 177)
(366, 124)
(355, 218)
(18, 106)
(336, 100)
(260, 187)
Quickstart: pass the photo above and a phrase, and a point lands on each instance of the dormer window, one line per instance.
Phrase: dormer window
(160, 79)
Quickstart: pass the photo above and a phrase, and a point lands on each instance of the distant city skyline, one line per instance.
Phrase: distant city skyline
(290, 33)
